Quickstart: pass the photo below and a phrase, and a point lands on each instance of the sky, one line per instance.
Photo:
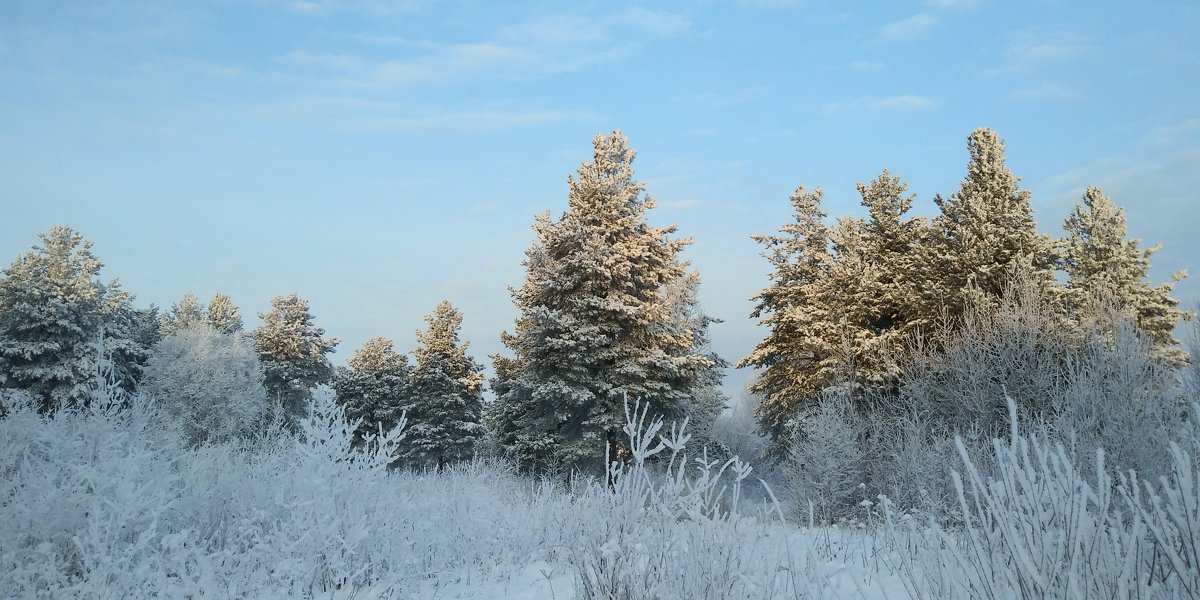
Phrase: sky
(377, 156)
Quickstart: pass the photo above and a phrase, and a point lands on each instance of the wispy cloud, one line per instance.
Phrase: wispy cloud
(321, 8)
(728, 99)
(866, 65)
(1047, 91)
(354, 114)
(904, 102)
(1030, 50)
(953, 4)
(682, 204)
(909, 28)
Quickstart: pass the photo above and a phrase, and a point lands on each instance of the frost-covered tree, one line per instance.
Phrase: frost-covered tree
(708, 400)
(1105, 266)
(374, 386)
(983, 228)
(842, 304)
(791, 358)
(594, 327)
(445, 408)
(293, 355)
(209, 383)
(53, 311)
(188, 312)
(223, 314)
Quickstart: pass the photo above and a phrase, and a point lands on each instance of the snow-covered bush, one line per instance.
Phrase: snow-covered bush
(826, 460)
(1043, 526)
(209, 384)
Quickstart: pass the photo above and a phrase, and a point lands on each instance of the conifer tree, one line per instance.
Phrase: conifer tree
(188, 312)
(374, 386)
(594, 328)
(223, 314)
(53, 311)
(983, 227)
(293, 354)
(1103, 264)
(445, 408)
(791, 358)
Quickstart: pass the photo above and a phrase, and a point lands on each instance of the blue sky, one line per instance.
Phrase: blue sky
(379, 155)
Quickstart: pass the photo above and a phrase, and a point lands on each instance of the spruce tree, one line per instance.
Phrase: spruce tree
(293, 354)
(983, 228)
(53, 312)
(792, 358)
(1103, 264)
(594, 328)
(224, 315)
(374, 386)
(445, 408)
(188, 312)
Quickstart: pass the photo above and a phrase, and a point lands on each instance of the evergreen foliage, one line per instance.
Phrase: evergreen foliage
(293, 354)
(1105, 267)
(983, 228)
(188, 312)
(445, 408)
(223, 314)
(374, 387)
(53, 311)
(594, 328)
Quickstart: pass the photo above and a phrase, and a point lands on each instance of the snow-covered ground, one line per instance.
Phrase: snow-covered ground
(106, 504)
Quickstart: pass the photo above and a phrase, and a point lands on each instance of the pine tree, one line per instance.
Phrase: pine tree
(1103, 264)
(374, 386)
(708, 400)
(223, 314)
(293, 355)
(445, 409)
(982, 229)
(53, 311)
(594, 328)
(209, 383)
(792, 358)
(188, 312)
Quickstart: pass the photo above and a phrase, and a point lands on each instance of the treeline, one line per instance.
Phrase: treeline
(608, 315)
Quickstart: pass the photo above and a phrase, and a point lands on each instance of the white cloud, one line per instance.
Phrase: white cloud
(321, 8)
(355, 114)
(904, 102)
(1047, 91)
(1029, 50)
(910, 28)
(682, 204)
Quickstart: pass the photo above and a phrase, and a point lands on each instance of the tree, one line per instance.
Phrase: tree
(53, 310)
(445, 410)
(982, 229)
(223, 314)
(594, 328)
(374, 386)
(1104, 265)
(293, 355)
(209, 383)
(188, 312)
(792, 356)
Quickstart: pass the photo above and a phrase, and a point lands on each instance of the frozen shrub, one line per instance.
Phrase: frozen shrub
(209, 384)
(826, 461)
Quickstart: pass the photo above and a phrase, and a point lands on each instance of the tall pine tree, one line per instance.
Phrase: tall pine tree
(445, 408)
(374, 386)
(224, 315)
(293, 355)
(1103, 264)
(188, 312)
(53, 312)
(983, 228)
(792, 359)
(594, 327)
